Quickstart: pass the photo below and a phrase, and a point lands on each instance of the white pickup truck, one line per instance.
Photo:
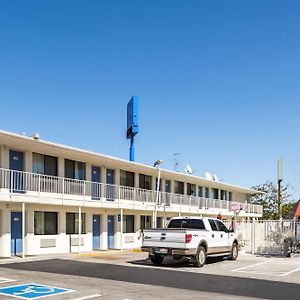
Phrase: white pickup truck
(191, 237)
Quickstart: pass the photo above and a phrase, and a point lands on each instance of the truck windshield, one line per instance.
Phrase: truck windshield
(187, 223)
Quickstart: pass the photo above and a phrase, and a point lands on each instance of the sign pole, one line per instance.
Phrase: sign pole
(279, 188)
(131, 151)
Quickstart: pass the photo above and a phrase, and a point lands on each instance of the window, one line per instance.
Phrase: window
(74, 169)
(45, 223)
(175, 223)
(197, 224)
(206, 192)
(168, 186)
(223, 195)
(72, 223)
(128, 223)
(44, 164)
(230, 196)
(191, 189)
(126, 178)
(200, 191)
(79, 170)
(146, 222)
(145, 182)
(213, 225)
(221, 226)
(38, 163)
(178, 187)
(160, 184)
(215, 193)
(187, 223)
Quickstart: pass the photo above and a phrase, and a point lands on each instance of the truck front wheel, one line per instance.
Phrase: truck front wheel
(234, 252)
(201, 256)
(157, 259)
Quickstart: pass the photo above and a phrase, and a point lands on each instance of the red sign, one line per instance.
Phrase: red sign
(234, 206)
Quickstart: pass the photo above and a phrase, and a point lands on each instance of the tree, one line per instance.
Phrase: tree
(269, 199)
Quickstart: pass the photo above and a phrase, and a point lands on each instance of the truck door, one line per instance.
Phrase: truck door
(224, 236)
(214, 239)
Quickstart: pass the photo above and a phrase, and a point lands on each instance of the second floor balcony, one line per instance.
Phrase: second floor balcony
(59, 190)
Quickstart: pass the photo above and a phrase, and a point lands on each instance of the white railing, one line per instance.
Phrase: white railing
(23, 182)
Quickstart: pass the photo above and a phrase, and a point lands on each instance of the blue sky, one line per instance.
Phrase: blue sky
(218, 81)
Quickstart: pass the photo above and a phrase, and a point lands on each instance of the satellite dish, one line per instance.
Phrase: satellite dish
(208, 176)
(188, 170)
(215, 178)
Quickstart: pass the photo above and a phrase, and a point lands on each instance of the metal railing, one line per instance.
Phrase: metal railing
(24, 182)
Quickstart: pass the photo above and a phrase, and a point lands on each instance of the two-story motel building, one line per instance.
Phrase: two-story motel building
(59, 199)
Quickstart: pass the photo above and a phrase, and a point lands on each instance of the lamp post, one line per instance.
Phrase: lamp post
(156, 164)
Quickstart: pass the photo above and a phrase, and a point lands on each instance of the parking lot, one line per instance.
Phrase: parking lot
(129, 275)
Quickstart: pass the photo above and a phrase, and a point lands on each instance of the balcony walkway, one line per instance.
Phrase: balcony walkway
(16, 186)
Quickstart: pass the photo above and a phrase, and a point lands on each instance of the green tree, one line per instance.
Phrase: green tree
(269, 199)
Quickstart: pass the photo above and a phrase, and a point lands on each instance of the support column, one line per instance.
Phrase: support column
(121, 229)
(163, 185)
(4, 157)
(61, 167)
(118, 232)
(103, 182)
(103, 234)
(137, 229)
(30, 230)
(172, 186)
(88, 172)
(103, 174)
(136, 180)
(28, 161)
(117, 177)
(23, 230)
(154, 221)
(79, 230)
(137, 222)
(62, 222)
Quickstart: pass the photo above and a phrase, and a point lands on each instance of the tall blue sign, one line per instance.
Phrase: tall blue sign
(132, 124)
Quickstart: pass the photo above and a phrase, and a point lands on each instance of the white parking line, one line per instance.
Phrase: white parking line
(88, 297)
(290, 272)
(274, 268)
(5, 280)
(250, 266)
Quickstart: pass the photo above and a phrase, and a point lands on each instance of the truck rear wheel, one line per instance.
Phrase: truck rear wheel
(201, 256)
(157, 259)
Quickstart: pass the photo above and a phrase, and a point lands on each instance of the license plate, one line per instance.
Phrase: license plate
(162, 250)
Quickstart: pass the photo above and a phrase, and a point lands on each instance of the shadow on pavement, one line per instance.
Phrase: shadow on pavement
(171, 263)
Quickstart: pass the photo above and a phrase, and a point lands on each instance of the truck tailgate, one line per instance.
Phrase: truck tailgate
(165, 238)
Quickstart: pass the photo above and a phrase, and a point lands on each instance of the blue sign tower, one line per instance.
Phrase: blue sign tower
(132, 123)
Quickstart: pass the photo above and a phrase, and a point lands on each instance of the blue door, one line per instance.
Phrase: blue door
(96, 183)
(16, 233)
(96, 232)
(109, 184)
(111, 231)
(16, 164)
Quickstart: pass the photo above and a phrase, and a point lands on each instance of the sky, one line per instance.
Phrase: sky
(217, 81)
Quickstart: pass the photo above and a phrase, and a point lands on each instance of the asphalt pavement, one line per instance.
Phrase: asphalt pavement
(164, 278)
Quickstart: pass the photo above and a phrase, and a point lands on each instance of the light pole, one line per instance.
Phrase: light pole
(156, 164)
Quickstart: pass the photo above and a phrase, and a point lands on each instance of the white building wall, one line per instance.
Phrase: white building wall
(5, 236)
